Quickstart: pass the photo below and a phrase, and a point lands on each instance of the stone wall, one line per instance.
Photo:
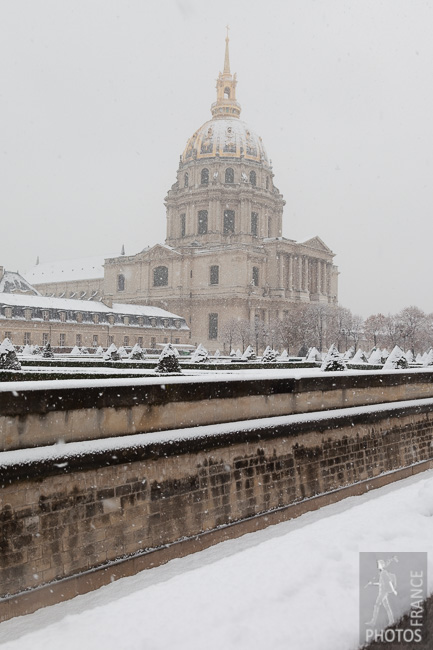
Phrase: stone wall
(69, 411)
(78, 507)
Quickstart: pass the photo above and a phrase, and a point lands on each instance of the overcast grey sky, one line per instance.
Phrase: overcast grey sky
(98, 99)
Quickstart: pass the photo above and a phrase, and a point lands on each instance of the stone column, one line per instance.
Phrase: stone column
(191, 220)
(307, 278)
(263, 224)
(328, 278)
(319, 276)
(216, 219)
(289, 277)
(281, 271)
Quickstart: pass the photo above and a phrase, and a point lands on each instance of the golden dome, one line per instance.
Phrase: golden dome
(225, 138)
(225, 135)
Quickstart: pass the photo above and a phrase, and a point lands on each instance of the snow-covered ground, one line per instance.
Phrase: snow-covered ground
(293, 586)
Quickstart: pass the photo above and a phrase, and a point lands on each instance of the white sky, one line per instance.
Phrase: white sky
(98, 98)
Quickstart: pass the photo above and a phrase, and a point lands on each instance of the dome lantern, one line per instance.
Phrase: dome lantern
(226, 104)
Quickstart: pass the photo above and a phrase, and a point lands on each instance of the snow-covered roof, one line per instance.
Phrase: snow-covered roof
(42, 302)
(67, 304)
(141, 310)
(15, 282)
(86, 268)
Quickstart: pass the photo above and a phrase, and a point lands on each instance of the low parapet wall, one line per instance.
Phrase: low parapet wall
(44, 413)
(69, 510)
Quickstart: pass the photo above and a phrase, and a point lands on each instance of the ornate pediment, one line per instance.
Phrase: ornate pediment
(158, 252)
(317, 244)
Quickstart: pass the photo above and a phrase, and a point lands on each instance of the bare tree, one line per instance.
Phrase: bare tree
(375, 329)
(356, 329)
(411, 322)
(245, 333)
(340, 323)
(230, 333)
(393, 330)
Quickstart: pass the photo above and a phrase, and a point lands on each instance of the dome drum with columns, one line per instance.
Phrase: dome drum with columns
(224, 257)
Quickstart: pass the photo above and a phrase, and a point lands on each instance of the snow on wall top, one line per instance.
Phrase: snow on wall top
(86, 268)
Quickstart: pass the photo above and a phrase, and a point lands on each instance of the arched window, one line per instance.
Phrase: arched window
(182, 224)
(253, 178)
(204, 176)
(230, 175)
(120, 282)
(267, 182)
(226, 93)
(229, 222)
(185, 180)
(254, 224)
(202, 222)
(255, 279)
(160, 276)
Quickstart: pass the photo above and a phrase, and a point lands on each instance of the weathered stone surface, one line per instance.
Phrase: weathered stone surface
(58, 520)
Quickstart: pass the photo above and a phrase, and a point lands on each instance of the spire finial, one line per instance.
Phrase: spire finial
(226, 57)
(226, 105)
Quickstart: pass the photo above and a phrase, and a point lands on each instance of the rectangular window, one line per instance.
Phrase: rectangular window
(26, 338)
(46, 314)
(165, 339)
(140, 341)
(255, 276)
(254, 223)
(45, 338)
(95, 341)
(62, 340)
(177, 341)
(153, 342)
(126, 340)
(214, 274)
(8, 335)
(110, 340)
(202, 222)
(229, 222)
(213, 326)
(77, 340)
(182, 225)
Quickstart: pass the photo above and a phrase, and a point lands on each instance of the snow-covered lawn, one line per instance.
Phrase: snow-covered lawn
(293, 586)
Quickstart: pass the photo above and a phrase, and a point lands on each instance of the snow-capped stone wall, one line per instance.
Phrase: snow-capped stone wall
(72, 507)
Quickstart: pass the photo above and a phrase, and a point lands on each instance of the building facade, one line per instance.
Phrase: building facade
(224, 258)
(27, 318)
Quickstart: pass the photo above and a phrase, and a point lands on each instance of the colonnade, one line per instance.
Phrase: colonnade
(305, 274)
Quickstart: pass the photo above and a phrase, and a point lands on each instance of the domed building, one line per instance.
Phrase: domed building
(224, 195)
(224, 259)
